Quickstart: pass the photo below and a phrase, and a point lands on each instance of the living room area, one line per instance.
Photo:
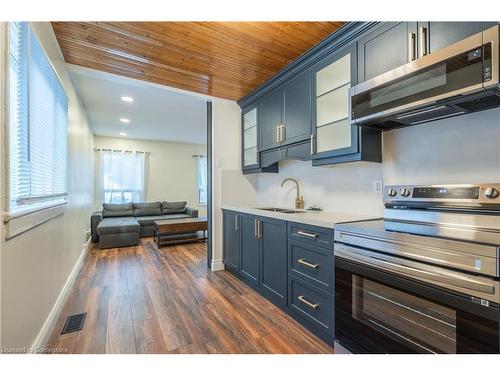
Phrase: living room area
(150, 161)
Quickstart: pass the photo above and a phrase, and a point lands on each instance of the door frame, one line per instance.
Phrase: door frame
(209, 185)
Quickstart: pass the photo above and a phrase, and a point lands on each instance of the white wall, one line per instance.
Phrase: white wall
(463, 149)
(35, 265)
(172, 168)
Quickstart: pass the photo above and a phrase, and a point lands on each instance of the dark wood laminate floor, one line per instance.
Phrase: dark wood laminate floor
(144, 300)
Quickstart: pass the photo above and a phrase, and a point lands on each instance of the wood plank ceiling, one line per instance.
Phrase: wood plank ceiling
(221, 59)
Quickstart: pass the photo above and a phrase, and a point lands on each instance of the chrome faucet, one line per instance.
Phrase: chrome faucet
(299, 200)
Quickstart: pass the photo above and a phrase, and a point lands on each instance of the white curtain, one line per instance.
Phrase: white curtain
(122, 176)
(202, 180)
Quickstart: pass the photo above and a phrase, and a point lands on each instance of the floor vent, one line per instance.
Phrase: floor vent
(74, 323)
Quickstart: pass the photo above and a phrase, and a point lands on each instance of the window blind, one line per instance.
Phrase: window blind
(37, 123)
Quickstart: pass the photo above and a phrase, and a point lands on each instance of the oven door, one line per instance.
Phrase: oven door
(377, 311)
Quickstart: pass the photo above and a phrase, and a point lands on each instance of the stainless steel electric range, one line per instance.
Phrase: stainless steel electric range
(425, 278)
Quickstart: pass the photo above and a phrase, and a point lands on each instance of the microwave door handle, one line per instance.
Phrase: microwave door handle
(461, 281)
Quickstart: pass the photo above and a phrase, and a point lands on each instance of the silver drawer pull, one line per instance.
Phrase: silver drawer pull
(313, 306)
(305, 234)
(307, 264)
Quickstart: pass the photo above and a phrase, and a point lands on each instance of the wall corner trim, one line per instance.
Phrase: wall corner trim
(217, 265)
(48, 326)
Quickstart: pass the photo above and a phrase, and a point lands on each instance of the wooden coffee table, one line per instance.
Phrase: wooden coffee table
(174, 231)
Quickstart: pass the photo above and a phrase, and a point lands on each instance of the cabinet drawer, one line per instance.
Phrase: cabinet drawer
(311, 263)
(311, 234)
(312, 304)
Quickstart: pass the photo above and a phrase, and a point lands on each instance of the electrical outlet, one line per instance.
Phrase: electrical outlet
(378, 186)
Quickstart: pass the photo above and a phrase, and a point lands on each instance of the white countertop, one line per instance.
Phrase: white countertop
(326, 219)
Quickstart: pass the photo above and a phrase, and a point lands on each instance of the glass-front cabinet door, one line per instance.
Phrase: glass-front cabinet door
(250, 152)
(332, 78)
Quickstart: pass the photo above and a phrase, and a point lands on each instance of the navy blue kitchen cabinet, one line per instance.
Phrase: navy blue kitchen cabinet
(271, 119)
(291, 264)
(263, 255)
(231, 239)
(334, 139)
(441, 34)
(250, 129)
(273, 266)
(250, 250)
(389, 46)
(285, 114)
(297, 109)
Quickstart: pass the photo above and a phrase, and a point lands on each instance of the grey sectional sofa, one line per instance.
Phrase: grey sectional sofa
(123, 224)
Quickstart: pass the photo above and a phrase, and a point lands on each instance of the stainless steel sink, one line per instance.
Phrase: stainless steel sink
(281, 210)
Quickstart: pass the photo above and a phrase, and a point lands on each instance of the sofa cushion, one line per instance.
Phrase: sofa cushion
(118, 225)
(149, 220)
(147, 209)
(168, 208)
(117, 210)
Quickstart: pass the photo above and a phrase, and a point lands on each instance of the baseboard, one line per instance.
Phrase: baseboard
(217, 265)
(44, 334)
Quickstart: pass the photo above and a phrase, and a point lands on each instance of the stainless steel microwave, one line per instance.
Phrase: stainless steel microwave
(458, 79)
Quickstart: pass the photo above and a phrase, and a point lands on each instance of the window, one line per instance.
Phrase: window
(37, 125)
(202, 180)
(121, 176)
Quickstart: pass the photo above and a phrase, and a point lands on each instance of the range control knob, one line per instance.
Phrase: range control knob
(491, 193)
(405, 192)
(391, 192)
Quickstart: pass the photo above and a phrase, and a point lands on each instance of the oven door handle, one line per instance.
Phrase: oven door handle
(450, 279)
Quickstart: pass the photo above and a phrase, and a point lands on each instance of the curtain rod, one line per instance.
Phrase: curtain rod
(130, 151)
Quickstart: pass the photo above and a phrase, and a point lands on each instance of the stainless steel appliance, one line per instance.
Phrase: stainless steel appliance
(460, 78)
(426, 277)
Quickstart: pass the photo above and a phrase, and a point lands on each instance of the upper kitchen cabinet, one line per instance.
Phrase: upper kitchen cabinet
(335, 140)
(271, 120)
(437, 35)
(332, 78)
(285, 114)
(389, 46)
(250, 160)
(250, 151)
(297, 109)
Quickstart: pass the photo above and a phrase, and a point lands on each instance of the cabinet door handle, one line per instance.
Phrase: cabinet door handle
(422, 41)
(305, 234)
(282, 134)
(255, 229)
(307, 264)
(312, 305)
(236, 218)
(259, 227)
(312, 144)
(278, 134)
(411, 47)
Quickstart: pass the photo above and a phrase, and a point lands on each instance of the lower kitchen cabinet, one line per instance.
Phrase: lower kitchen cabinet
(231, 239)
(291, 264)
(250, 250)
(273, 259)
(262, 253)
(312, 307)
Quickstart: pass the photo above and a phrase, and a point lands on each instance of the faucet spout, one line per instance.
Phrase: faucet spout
(299, 200)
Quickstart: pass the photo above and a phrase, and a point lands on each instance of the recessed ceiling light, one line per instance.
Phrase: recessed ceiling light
(123, 134)
(125, 120)
(127, 99)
